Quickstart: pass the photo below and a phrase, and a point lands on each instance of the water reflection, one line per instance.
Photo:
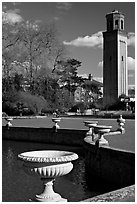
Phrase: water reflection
(10, 158)
(19, 187)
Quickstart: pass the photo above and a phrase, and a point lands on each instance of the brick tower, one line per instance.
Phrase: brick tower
(115, 75)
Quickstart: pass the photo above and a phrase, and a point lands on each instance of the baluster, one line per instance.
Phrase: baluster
(121, 123)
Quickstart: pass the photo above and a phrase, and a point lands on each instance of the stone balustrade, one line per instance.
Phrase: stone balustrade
(96, 133)
(102, 162)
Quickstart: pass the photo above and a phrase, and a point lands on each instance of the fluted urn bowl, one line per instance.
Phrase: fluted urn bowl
(102, 129)
(48, 165)
(8, 119)
(90, 123)
(56, 119)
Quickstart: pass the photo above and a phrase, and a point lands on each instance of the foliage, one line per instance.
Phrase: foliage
(67, 70)
(35, 70)
(28, 103)
(63, 100)
(118, 105)
(9, 99)
(33, 102)
(80, 106)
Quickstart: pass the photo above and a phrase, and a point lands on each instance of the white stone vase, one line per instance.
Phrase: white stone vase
(9, 124)
(101, 130)
(48, 164)
(121, 123)
(56, 121)
(90, 125)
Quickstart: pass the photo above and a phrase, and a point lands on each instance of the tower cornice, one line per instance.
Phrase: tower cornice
(121, 32)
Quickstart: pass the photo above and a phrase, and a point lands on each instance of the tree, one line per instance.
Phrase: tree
(31, 45)
(67, 69)
(9, 49)
(38, 43)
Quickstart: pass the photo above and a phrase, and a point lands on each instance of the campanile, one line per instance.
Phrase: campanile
(115, 75)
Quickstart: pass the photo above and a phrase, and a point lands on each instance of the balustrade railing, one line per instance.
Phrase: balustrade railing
(96, 133)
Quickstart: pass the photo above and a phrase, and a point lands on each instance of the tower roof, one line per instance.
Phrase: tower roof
(114, 12)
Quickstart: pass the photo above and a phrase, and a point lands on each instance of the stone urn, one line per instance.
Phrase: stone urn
(56, 120)
(47, 165)
(9, 124)
(90, 125)
(121, 122)
(101, 130)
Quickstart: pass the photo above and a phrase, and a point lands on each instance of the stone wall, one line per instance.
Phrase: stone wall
(126, 194)
(107, 166)
(47, 135)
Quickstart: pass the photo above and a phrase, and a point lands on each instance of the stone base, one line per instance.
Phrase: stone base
(36, 200)
(89, 139)
(103, 143)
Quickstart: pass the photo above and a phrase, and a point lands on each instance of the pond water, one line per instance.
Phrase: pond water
(20, 187)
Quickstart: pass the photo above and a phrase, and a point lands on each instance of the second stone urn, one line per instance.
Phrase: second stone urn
(48, 165)
(56, 120)
(9, 124)
(90, 124)
(101, 130)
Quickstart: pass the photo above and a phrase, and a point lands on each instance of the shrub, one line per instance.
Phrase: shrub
(34, 103)
(117, 106)
(79, 106)
(23, 102)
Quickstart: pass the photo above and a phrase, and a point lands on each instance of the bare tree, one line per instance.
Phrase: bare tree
(9, 41)
(39, 45)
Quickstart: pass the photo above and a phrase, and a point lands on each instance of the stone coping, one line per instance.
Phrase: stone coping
(24, 117)
(126, 194)
(102, 114)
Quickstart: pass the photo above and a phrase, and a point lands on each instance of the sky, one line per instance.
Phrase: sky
(80, 26)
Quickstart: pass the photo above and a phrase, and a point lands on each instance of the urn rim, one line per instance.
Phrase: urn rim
(47, 156)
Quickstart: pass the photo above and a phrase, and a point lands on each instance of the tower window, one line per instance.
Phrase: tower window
(122, 25)
(109, 25)
(116, 23)
(122, 58)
